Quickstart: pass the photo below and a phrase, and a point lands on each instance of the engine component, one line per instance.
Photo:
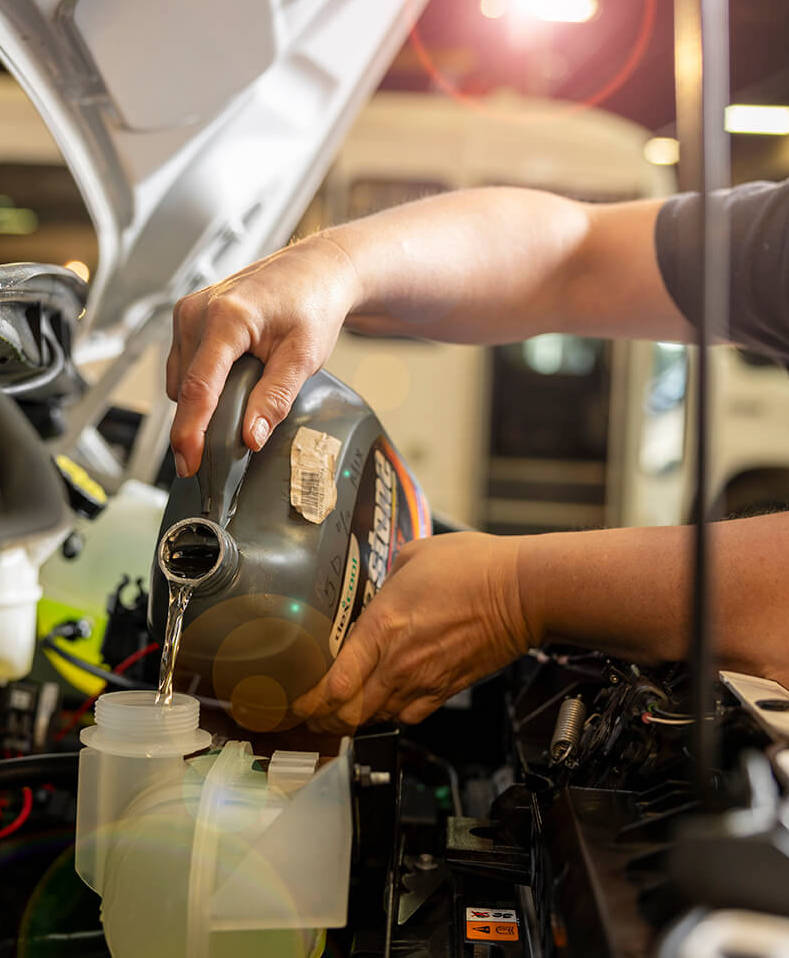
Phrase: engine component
(567, 732)
(32, 517)
(26, 713)
(39, 308)
(86, 497)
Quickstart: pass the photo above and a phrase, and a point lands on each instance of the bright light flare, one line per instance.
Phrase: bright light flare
(744, 118)
(556, 11)
(662, 151)
(78, 267)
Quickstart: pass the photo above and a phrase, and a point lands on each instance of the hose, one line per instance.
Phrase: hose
(22, 817)
(57, 358)
(111, 678)
(60, 768)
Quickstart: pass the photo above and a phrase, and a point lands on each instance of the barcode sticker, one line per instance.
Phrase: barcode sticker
(313, 461)
(311, 491)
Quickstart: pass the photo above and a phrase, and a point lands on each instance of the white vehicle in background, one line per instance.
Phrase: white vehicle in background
(749, 462)
(511, 438)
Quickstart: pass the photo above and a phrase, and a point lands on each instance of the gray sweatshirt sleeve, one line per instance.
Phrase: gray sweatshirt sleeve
(758, 216)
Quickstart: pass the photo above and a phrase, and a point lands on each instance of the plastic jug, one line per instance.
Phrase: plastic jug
(211, 857)
(282, 549)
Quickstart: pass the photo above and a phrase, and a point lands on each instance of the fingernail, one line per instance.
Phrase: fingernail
(260, 432)
(180, 466)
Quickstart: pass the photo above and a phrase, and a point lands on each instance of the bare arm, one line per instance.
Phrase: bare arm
(501, 264)
(477, 266)
(625, 591)
(628, 591)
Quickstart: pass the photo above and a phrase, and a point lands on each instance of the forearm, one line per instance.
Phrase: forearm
(628, 591)
(501, 264)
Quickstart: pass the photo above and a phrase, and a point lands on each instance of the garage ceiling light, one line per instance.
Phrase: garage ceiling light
(743, 118)
(558, 11)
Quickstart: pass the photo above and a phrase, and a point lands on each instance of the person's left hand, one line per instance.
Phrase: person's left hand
(449, 613)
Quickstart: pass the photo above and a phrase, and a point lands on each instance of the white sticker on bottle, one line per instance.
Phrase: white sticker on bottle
(313, 461)
(350, 584)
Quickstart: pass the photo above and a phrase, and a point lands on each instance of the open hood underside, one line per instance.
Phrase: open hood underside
(196, 132)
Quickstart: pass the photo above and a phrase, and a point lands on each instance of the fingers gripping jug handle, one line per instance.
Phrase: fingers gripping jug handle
(226, 457)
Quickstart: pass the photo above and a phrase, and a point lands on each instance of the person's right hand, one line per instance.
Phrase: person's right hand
(287, 310)
(452, 610)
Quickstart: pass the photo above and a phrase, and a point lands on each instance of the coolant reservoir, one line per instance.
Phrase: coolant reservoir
(281, 550)
(220, 855)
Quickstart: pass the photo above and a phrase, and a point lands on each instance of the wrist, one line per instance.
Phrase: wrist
(340, 241)
(533, 578)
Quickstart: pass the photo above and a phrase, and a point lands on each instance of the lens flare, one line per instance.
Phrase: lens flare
(634, 58)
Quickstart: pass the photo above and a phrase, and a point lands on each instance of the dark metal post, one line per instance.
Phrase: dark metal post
(701, 30)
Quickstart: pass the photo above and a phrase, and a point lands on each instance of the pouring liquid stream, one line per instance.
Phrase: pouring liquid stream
(189, 553)
(176, 608)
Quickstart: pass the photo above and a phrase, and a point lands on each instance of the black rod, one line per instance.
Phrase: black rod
(701, 31)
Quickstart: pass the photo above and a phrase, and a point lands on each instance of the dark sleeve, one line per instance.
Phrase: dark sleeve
(758, 215)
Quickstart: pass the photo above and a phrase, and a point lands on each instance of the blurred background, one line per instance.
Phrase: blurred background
(558, 432)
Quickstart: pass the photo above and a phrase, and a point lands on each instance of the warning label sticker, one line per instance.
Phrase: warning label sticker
(491, 924)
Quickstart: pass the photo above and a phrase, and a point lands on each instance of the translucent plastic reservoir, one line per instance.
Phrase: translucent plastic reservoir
(221, 855)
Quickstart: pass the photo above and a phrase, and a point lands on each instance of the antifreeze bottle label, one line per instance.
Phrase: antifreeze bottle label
(390, 511)
(350, 587)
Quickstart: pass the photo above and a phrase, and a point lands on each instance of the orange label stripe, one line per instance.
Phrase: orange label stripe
(417, 506)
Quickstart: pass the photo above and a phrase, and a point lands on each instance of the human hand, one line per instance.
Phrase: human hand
(287, 310)
(449, 613)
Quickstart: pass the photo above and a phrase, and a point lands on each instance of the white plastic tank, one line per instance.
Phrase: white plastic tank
(214, 856)
(19, 594)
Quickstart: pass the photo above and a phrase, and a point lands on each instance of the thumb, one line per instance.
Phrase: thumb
(286, 369)
(354, 665)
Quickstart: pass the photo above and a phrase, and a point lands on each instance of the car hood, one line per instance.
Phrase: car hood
(197, 132)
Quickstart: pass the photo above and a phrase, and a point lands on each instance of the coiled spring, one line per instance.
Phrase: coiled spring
(568, 728)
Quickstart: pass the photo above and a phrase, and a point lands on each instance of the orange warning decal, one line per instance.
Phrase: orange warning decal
(482, 931)
(483, 924)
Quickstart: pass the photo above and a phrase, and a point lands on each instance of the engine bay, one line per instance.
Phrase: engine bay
(548, 811)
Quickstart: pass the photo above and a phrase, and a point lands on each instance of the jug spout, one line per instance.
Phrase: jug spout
(198, 553)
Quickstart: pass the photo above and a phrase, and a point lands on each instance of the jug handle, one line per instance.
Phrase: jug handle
(225, 455)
